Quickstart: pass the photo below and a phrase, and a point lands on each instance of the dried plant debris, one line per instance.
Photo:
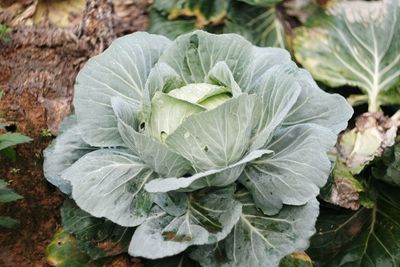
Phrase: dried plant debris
(59, 13)
(373, 133)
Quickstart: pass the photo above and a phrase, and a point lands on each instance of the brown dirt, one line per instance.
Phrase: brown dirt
(38, 66)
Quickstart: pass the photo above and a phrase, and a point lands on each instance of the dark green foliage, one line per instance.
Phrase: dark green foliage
(99, 238)
(7, 195)
(257, 21)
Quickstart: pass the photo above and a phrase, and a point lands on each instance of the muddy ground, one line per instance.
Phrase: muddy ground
(38, 65)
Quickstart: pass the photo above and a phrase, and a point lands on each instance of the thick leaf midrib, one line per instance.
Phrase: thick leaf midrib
(254, 229)
(371, 232)
(374, 214)
(345, 222)
(369, 84)
(374, 84)
(191, 208)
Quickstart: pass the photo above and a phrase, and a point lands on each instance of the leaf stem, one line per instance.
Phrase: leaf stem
(356, 100)
(373, 105)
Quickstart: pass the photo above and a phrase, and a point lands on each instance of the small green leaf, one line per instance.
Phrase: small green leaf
(8, 222)
(4, 30)
(7, 194)
(9, 152)
(11, 139)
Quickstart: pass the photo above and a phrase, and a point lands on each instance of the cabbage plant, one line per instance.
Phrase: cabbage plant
(207, 144)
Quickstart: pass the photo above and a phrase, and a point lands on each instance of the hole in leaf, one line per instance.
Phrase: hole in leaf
(142, 126)
(194, 41)
(163, 136)
(206, 148)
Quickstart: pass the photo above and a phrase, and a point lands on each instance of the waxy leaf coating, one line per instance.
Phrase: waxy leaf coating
(169, 133)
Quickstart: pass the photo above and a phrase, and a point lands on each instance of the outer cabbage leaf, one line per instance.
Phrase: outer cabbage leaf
(376, 241)
(160, 24)
(193, 55)
(262, 59)
(173, 203)
(312, 106)
(356, 43)
(259, 240)
(278, 91)
(209, 218)
(175, 17)
(260, 26)
(216, 177)
(96, 237)
(110, 183)
(257, 21)
(295, 172)
(316, 106)
(204, 11)
(121, 70)
(67, 148)
(336, 228)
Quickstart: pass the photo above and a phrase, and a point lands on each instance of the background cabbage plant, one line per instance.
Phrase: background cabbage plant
(207, 143)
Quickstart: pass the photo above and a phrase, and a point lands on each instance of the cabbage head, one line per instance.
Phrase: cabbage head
(207, 144)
